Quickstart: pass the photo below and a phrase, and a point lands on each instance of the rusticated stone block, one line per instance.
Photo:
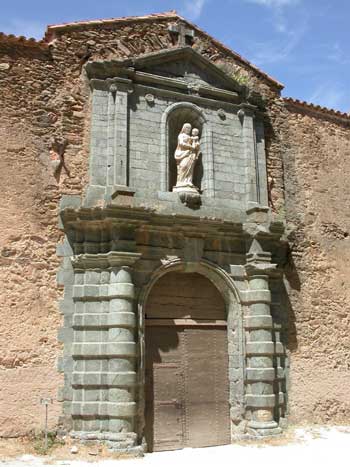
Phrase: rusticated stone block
(260, 348)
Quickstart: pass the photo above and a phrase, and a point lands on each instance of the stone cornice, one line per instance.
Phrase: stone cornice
(142, 217)
(149, 220)
(103, 72)
(103, 69)
(104, 260)
(205, 95)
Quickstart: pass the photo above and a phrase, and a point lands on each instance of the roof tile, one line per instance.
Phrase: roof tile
(316, 107)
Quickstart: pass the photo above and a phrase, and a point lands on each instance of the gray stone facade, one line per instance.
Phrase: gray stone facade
(134, 119)
(130, 229)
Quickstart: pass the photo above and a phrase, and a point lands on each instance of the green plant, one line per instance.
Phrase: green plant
(39, 444)
(243, 80)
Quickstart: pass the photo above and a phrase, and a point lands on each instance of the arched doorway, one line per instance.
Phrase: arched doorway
(187, 387)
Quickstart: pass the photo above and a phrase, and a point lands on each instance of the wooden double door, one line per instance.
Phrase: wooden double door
(187, 391)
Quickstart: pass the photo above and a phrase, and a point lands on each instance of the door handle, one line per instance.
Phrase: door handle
(178, 404)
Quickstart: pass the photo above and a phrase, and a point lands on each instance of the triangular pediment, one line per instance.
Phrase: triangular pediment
(185, 64)
(181, 63)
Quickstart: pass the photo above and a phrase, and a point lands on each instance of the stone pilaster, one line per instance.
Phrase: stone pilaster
(104, 350)
(121, 133)
(109, 150)
(246, 116)
(260, 348)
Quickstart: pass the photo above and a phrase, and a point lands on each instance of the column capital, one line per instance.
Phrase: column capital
(105, 260)
(258, 260)
(256, 268)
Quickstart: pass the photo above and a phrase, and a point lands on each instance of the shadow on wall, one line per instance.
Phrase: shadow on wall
(294, 284)
(274, 164)
(284, 330)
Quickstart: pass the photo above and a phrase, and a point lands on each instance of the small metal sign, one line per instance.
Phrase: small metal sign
(46, 401)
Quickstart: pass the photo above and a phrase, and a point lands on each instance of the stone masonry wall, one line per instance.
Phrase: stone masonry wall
(317, 209)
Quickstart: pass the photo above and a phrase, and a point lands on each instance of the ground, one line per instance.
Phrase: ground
(321, 446)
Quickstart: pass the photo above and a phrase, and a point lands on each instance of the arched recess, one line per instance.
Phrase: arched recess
(225, 285)
(173, 119)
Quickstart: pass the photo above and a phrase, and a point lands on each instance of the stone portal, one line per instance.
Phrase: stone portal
(205, 365)
(187, 387)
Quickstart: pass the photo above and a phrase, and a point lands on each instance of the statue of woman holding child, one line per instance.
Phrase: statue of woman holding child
(186, 155)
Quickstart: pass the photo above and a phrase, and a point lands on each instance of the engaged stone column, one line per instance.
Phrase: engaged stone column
(122, 354)
(104, 349)
(260, 348)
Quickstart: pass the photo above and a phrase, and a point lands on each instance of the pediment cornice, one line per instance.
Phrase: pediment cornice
(145, 66)
(196, 76)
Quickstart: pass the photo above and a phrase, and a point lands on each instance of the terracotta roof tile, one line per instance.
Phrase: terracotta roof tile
(31, 41)
(316, 107)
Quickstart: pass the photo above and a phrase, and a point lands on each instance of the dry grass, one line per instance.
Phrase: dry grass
(17, 447)
(287, 437)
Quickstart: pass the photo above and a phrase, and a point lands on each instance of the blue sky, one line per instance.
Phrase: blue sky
(302, 43)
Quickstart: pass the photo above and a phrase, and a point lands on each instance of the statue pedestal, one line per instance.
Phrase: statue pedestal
(188, 195)
(185, 189)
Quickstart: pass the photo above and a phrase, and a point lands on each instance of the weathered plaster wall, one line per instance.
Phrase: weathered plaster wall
(317, 208)
(28, 234)
(33, 111)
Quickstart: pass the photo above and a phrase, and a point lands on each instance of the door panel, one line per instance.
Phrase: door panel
(164, 389)
(206, 388)
(187, 395)
(189, 295)
(168, 413)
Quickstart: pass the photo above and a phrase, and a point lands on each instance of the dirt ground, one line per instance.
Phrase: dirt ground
(317, 445)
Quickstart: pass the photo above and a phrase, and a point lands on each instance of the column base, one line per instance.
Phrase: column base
(262, 429)
(118, 442)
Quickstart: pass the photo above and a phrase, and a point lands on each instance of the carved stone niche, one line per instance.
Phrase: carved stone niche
(184, 113)
(178, 115)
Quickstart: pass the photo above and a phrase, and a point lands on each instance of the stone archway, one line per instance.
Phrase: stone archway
(204, 320)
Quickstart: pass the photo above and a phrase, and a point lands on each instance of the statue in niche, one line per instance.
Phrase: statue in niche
(186, 155)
